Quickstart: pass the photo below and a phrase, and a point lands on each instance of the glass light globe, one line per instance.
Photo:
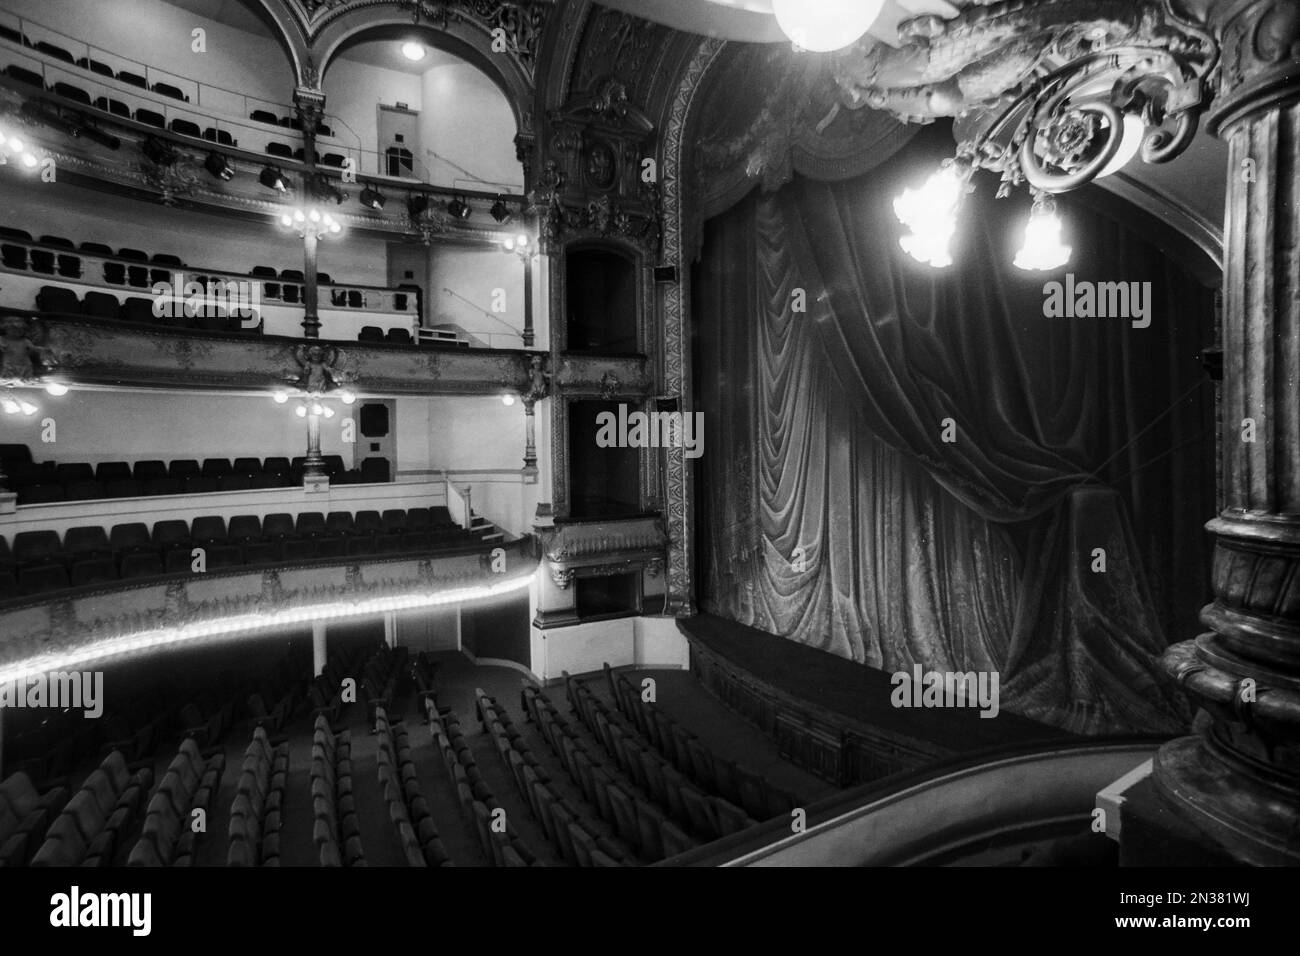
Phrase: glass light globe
(413, 51)
(57, 389)
(507, 400)
(825, 25)
(1043, 249)
(280, 397)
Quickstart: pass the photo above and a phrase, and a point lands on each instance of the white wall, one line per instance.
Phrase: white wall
(122, 425)
(583, 648)
(465, 118)
(353, 92)
(475, 274)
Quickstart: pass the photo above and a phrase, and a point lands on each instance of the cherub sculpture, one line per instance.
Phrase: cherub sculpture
(539, 381)
(317, 364)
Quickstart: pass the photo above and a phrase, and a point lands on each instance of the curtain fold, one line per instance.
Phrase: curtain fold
(831, 509)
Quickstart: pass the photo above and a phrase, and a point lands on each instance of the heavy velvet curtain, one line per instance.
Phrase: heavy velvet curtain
(831, 509)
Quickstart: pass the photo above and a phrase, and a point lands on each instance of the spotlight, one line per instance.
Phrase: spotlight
(158, 152)
(57, 389)
(500, 211)
(272, 178)
(372, 198)
(216, 164)
(417, 204)
(458, 208)
(280, 396)
(413, 51)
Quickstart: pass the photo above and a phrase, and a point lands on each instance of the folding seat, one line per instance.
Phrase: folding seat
(149, 470)
(221, 556)
(731, 819)
(398, 336)
(265, 116)
(171, 534)
(86, 490)
(219, 136)
(675, 841)
(201, 486)
(56, 298)
(113, 106)
(163, 486)
(15, 72)
(13, 256)
(277, 527)
(753, 792)
(150, 118)
(216, 467)
(702, 765)
(700, 813)
(183, 468)
(292, 275)
(310, 524)
(172, 92)
(87, 542)
(283, 150)
(95, 66)
(68, 91)
(50, 49)
(30, 547)
(107, 471)
(625, 820)
(651, 823)
(247, 466)
(674, 783)
(370, 333)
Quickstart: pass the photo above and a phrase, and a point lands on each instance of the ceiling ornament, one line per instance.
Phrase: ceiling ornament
(1044, 93)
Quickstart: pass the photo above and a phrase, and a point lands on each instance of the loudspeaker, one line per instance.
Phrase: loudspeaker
(665, 273)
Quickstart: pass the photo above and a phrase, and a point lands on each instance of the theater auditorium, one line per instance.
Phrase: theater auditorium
(678, 433)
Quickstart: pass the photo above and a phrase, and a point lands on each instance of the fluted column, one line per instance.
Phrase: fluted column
(1238, 781)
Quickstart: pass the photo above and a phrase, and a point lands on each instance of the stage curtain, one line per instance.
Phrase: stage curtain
(831, 509)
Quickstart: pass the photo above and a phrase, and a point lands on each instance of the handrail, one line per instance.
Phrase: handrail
(458, 504)
(78, 45)
(835, 821)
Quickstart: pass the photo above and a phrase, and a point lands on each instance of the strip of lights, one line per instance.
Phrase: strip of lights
(243, 624)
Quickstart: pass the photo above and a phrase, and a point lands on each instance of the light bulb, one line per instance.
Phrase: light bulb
(316, 409)
(57, 389)
(329, 412)
(507, 400)
(508, 244)
(286, 220)
(280, 397)
(347, 398)
(1134, 131)
(1043, 249)
(931, 214)
(9, 405)
(29, 160)
(314, 216)
(335, 227)
(15, 144)
(413, 51)
(301, 411)
(28, 408)
(824, 25)
(298, 215)
(522, 241)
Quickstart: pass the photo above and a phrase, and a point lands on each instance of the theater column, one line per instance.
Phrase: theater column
(310, 107)
(1234, 788)
(319, 648)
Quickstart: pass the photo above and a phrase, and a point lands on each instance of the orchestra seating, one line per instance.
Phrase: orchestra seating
(255, 815)
(168, 837)
(87, 832)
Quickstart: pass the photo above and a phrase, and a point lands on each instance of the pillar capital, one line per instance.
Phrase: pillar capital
(1259, 67)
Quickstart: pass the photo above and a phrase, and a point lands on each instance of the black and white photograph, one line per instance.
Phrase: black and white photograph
(648, 434)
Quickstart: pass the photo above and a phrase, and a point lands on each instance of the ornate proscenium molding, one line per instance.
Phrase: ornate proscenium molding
(1040, 91)
(601, 548)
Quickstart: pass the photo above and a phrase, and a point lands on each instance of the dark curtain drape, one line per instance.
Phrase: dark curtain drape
(831, 509)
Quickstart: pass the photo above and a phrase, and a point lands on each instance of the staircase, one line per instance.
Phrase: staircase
(485, 529)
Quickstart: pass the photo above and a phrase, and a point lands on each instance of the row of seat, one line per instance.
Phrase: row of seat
(25, 815)
(408, 811)
(169, 836)
(255, 818)
(92, 65)
(50, 254)
(714, 774)
(87, 556)
(655, 829)
(97, 817)
(335, 831)
(707, 817)
(578, 836)
(289, 122)
(479, 807)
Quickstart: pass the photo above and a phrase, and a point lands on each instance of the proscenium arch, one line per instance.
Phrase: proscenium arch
(469, 42)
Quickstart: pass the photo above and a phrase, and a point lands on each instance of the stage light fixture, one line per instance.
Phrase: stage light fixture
(458, 208)
(217, 165)
(372, 198)
(501, 212)
(272, 178)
